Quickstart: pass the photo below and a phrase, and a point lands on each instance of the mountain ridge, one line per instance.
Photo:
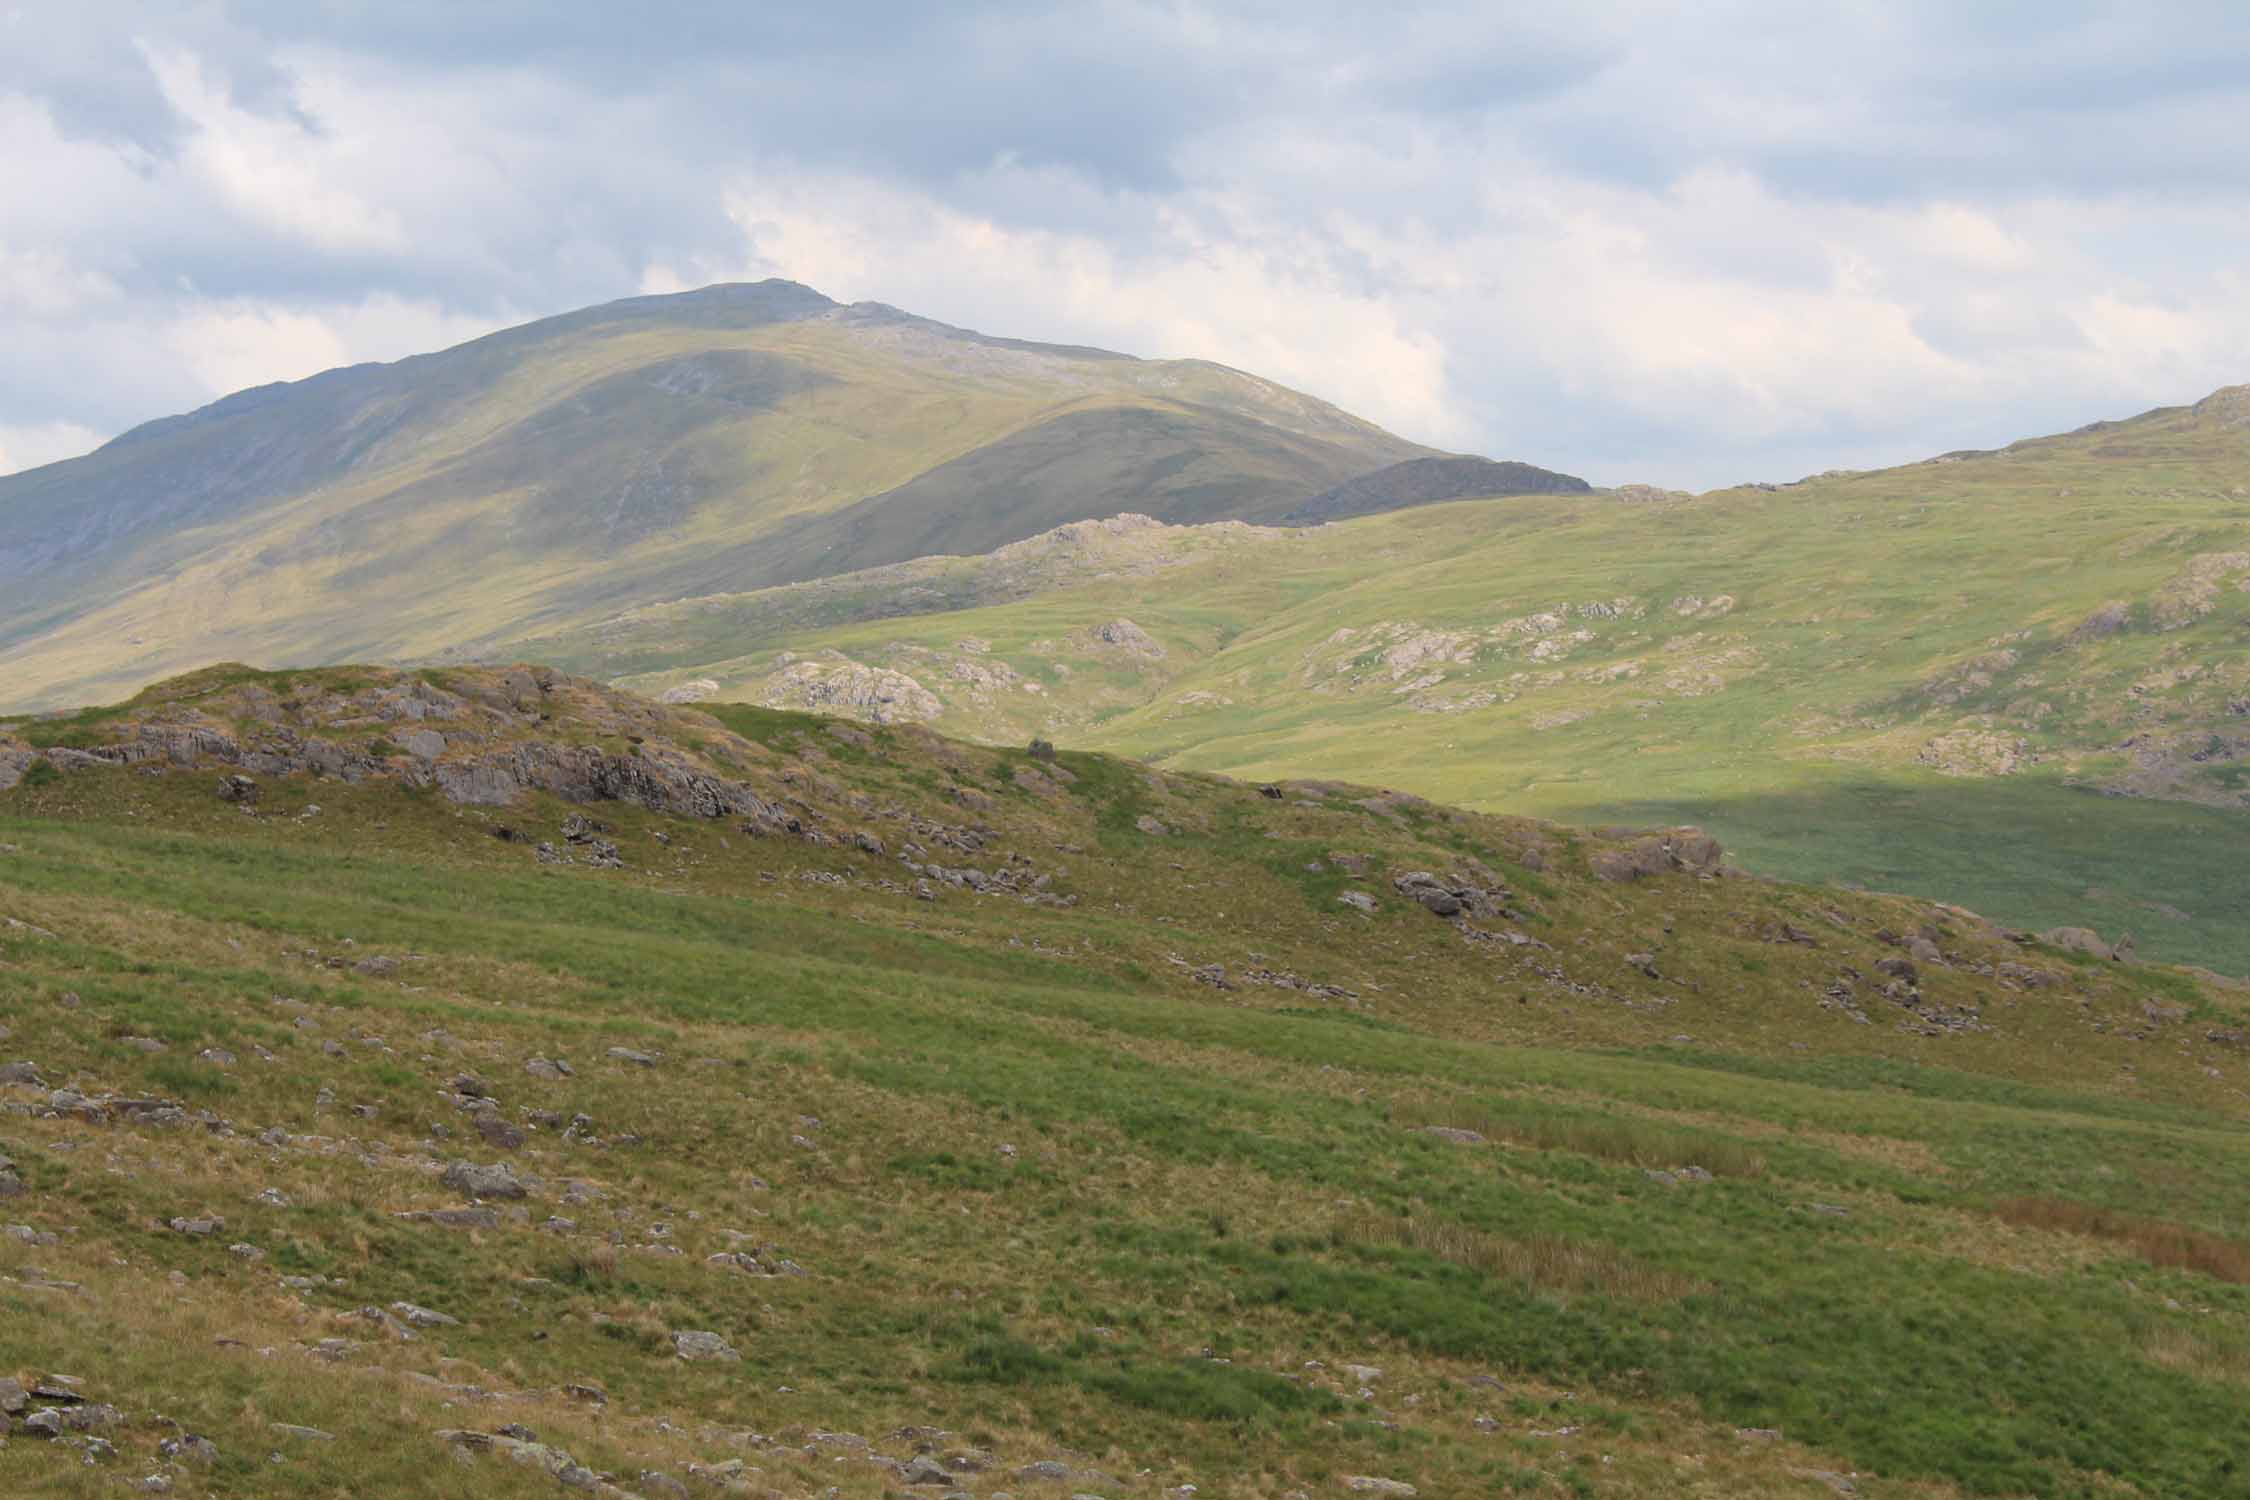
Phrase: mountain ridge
(649, 448)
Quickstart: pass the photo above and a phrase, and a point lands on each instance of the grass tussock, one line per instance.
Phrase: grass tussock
(2173, 1246)
(1614, 1138)
(1547, 1262)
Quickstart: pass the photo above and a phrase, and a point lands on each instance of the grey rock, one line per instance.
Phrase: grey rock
(552, 1069)
(457, 1218)
(476, 1180)
(53, 1421)
(499, 1133)
(13, 1397)
(1455, 1134)
(925, 1470)
(637, 1059)
(26, 1073)
(1358, 901)
(238, 789)
(190, 1449)
(198, 1226)
(423, 1317)
(1368, 1484)
(693, 1344)
(307, 1434)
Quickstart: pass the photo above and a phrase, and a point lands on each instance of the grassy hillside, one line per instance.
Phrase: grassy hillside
(735, 437)
(1152, 1163)
(1938, 677)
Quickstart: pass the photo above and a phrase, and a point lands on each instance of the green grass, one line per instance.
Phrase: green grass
(1051, 1189)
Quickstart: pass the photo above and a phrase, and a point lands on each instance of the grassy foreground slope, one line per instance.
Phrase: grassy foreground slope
(1043, 1126)
(738, 436)
(1939, 677)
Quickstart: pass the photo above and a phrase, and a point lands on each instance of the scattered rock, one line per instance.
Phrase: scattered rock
(1150, 825)
(637, 1059)
(1368, 1484)
(497, 1132)
(480, 1181)
(422, 1317)
(925, 1470)
(1358, 901)
(1455, 1134)
(552, 1069)
(190, 1449)
(240, 790)
(692, 1345)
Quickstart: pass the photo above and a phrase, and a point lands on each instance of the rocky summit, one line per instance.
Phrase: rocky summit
(484, 1081)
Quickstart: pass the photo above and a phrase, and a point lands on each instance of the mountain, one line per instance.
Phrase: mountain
(482, 1081)
(730, 438)
(2017, 679)
(1426, 481)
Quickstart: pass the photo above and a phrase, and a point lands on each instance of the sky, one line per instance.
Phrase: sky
(1686, 245)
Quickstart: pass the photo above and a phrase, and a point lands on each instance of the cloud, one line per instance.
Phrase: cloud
(27, 447)
(1629, 240)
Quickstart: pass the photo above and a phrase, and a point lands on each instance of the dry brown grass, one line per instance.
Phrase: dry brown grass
(2197, 1353)
(2174, 1246)
(1550, 1263)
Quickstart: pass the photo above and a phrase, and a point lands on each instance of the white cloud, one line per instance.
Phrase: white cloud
(27, 447)
(1206, 284)
(280, 172)
(233, 345)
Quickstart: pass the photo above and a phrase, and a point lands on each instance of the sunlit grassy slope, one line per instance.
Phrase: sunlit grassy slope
(1130, 1176)
(1929, 677)
(734, 437)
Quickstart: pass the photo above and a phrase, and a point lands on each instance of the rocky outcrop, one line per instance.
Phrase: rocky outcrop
(1687, 851)
(506, 734)
(876, 694)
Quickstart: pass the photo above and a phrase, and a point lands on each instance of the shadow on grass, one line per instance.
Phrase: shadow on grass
(2024, 851)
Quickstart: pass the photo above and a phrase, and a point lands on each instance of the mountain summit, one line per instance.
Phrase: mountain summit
(734, 437)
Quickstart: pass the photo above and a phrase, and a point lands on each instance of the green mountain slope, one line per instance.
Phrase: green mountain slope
(483, 1083)
(2021, 679)
(734, 437)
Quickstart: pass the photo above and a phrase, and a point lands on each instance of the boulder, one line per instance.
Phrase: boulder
(698, 1345)
(475, 1180)
(1688, 851)
(2078, 940)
